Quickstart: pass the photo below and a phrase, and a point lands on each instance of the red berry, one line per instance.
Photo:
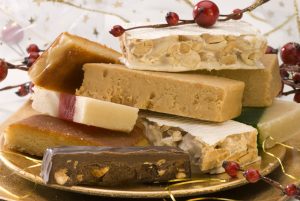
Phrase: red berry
(117, 31)
(290, 53)
(3, 70)
(297, 97)
(252, 175)
(271, 50)
(32, 48)
(231, 168)
(238, 14)
(33, 55)
(296, 78)
(206, 13)
(291, 190)
(172, 18)
(23, 90)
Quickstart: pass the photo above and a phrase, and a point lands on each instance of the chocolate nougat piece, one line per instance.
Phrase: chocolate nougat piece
(35, 134)
(202, 97)
(108, 166)
(60, 66)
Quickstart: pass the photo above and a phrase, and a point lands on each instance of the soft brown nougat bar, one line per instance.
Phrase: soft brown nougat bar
(197, 96)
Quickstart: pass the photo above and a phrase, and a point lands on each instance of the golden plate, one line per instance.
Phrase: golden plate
(20, 165)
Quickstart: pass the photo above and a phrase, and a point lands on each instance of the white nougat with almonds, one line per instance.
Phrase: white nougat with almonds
(228, 45)
(208, 144)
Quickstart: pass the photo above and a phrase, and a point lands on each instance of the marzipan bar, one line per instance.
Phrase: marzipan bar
(60, 66)
(35, 134)
(85, 110)
(202, 97)
(261, 85)
(107, 166)
(228, 45)
(280, 121)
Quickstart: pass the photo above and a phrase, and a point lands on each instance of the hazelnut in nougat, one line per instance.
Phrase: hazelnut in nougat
(60, 66)
(228, 45)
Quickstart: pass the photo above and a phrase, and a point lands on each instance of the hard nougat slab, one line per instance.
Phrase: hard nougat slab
(60, 66)
(197, 96)
(261, 85)
(114, 166)
(207, 143)
(35, 134)
(228, 45)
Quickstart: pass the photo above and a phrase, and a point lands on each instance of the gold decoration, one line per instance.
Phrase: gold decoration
(95, 32)
(298, 15)
(118, 4)
(211, 198)
(83, 8)
(257, 18)
(189, 2)
(31, 20)
(186, 181)
(280, 25)
(36, 162)
(277, 158)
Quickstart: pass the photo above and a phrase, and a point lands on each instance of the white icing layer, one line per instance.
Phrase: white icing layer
(231, 27)
(210, 133)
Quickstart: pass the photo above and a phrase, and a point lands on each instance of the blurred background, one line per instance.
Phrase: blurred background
(41, 21)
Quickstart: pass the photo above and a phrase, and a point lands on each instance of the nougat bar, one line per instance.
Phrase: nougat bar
(60, 66)
(202, 97)
(280, 121)
(107, 166)
(228, 45)
(35, 134)
(261, 85)
(208, 144)
(85, 110)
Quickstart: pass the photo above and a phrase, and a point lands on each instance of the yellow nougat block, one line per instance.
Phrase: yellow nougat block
(261, 85)
(197, 96)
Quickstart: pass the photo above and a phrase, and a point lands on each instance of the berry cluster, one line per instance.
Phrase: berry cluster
(205, 14)
(252, 176)
(23, 89)
(290, 69)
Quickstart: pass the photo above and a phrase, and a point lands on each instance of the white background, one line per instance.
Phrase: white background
(50, 19)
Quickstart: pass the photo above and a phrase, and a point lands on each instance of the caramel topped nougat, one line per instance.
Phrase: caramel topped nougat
(227, 45)
(60, 66)
(35, 134)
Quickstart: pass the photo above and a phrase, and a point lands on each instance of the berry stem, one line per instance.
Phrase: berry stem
(19, 67)
(182, 22)
(247, 9)
(273, 183)
(13, 86)
(290, 92)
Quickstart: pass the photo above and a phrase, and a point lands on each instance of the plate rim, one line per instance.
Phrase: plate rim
(143, 193)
